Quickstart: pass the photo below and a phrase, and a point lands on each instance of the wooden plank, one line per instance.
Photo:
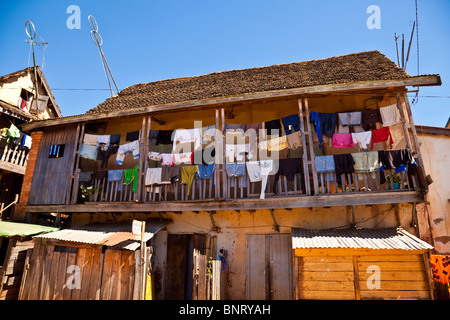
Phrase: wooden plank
(25, 273)
(202, 274)
(397, 285)
(396, 257)
(60, 275)
(137, 287)
(395, 295)
(327, 276)
(85, 273)
(256, 268)
(79, 263)
(327, 295)
(396, 275)
(356, 282)
(340, 199)
(328, 267)
(392, 266)
(322, 285)
(67, 291)
(312, 155)
(53, 275)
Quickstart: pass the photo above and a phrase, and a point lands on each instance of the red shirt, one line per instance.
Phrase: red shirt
(380, 135)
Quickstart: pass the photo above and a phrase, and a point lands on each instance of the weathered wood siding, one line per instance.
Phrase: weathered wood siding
(347, 277)
(52, 176)
(108, 275)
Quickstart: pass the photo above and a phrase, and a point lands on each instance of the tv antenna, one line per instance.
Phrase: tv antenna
(97, 39)
(30, 30)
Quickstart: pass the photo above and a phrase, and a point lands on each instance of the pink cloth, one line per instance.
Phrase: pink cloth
(343, 140)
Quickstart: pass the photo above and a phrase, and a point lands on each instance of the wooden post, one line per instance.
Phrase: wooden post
(223, 165)
(72, 165)
(144, 261)
(404, 125)
(76, 181)
(305, 155)
(311, 151)
(146, 150)
(413, 129)
(356, 278)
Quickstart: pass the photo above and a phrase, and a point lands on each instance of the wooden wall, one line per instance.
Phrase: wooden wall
(12, 269)
(349, 277)
(51, 177)
(108, 274)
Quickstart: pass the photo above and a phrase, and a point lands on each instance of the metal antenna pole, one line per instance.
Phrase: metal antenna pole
(97, 39)
(31, 33)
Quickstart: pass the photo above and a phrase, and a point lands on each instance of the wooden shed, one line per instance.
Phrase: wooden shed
(387, 263)
(99, 261)
(15, 240)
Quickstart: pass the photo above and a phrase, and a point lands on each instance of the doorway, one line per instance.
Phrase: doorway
(269, 267)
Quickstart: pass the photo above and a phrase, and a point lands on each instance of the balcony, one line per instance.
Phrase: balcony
(13, 158)
(307, 186)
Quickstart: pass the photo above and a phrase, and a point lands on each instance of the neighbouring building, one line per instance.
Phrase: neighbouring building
(18, 105)
(292, 181)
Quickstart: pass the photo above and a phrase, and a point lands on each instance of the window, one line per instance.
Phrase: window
(56, 150)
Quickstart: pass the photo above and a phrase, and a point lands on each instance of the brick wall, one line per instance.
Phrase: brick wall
(19, 212)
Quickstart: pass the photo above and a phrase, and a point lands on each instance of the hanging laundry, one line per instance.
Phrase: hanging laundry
(183, 136)
(344, 164)
(132, 136)
(324, 124)
(187, 176)
(27, 141)
(277, 144)
(291, 123)
(205, 171)
(205, 156)
(90, 139)
(237, 169)
(105, 139)
(164, 137)
(325, 164)
(104, 154)
(366, 162)
(12, 133)
(153, 176)
(208, 134)
(273, 127)
(350, 118)
(259, 171)
(131, 175)
(182, 158)
(88, 151)
(390, 115)
(395, 159)
(253, 128)
(381, 135)
(155, 156)
(236, 152)
(369, 118)
(170, 174)
(131, 147)
(343, 140)
(294, 140)
(289, 168)
(440, 268)
(166, 159)
(115, 175)
(362, 139)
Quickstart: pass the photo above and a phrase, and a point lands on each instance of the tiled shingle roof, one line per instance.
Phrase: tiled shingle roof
(356, 67)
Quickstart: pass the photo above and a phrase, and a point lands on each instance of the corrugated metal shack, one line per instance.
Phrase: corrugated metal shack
(385, 263)
(15, 240)
(99, 261)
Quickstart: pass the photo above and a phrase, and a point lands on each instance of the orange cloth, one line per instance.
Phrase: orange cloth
(440, 268)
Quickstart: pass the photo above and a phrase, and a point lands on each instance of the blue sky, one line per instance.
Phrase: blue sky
(152, 40)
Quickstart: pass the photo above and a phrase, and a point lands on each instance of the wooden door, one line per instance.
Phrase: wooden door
(269, 267)
(175, 280)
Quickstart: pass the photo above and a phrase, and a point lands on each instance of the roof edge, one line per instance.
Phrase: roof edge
(416, 81)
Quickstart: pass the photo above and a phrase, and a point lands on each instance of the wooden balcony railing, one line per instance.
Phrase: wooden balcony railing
(13, 158)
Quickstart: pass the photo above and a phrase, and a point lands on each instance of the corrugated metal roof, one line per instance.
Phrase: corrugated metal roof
(116, 235)
(12, 229)
(383, 238)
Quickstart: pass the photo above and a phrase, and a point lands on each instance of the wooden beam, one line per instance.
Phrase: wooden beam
(428, 80)
(331, 252)
(346, 199)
